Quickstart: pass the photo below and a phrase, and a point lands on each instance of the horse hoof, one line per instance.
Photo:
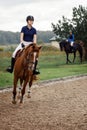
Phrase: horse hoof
(14, 102)
(21, 102)
(28, 96)
(18, 97)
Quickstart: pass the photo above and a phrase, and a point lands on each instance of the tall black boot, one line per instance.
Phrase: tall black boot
(35, 72)
(73, 49)
(10, 69)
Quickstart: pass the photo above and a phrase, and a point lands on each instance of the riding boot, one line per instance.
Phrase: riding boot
(36, 72)
(10, 69)
(73, 49)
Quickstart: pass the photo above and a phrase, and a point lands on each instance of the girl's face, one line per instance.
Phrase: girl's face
(70, 33)
(30, 23)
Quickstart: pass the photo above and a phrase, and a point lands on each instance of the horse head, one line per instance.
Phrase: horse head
(62, 45)
(31, 55)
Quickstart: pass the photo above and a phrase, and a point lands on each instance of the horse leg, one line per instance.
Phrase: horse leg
(81, 54)
(14, 90)
(29, 96)
(81, 59)
(19, 89)
(23, 90)
(30, 84)
(74, 56)
(66, 58)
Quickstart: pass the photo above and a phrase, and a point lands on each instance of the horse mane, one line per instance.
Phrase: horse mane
(34, 47)
(29, 48)
(24, 52)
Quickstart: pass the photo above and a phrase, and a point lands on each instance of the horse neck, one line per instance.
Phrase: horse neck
(63, 44)
(24, 56)
(27, 51)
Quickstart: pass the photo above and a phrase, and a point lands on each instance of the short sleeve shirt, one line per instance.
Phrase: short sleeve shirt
(71, 38)
(28, 33)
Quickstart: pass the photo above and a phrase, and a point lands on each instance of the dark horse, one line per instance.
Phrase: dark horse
(23, 69)
(64, 45)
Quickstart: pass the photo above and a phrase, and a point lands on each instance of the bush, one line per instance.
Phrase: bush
(1, 49)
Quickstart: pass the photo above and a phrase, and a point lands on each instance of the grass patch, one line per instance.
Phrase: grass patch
(6, 80)
(52, 64)
(62, 71)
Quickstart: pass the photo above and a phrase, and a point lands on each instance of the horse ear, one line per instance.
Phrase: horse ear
(40, 47)
(33, 45)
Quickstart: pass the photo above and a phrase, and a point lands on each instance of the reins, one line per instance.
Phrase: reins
(30, 64)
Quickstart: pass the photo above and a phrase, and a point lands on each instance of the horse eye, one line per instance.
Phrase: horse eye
(31, 54)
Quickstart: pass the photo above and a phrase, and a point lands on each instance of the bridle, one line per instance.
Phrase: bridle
(30, 63)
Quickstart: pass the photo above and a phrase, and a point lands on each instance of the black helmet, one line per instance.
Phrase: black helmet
(70, 31)
(31, 18)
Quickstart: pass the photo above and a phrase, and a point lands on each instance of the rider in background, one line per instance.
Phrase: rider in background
(71, 41)
(71, 38)
(28, 36)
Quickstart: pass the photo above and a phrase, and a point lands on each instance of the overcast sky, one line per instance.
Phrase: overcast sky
(13, 13)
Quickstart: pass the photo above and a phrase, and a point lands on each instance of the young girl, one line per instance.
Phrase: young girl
(71, 38)
(28, 35)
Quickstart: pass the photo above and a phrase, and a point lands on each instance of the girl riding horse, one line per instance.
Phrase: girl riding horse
(64, 45)
(28, 36)
(23, 69)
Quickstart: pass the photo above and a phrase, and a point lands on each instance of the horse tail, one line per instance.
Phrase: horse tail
(80, 50)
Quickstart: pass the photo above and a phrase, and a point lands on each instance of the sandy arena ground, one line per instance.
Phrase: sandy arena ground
(58, 105)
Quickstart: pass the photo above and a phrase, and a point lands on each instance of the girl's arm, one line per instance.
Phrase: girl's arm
(35, 38)
(73, 37)
(21, 37)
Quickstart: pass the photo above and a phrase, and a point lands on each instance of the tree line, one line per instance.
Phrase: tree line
(8, 37)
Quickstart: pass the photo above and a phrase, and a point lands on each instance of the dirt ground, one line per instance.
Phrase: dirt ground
(58, 105)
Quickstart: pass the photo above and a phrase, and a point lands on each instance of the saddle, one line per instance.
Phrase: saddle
(19, 53)
(72, 48)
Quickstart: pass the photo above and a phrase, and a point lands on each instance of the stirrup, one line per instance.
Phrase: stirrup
(36, 72)
(73, 50)
(9, 70)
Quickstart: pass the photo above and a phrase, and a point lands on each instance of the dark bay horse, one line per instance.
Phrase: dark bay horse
(23, 69)
(64, 45)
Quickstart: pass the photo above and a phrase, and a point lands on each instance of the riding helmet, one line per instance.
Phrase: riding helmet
(70, 31)
(31, 18)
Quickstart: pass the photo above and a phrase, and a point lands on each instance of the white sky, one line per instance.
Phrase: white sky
(13, 13)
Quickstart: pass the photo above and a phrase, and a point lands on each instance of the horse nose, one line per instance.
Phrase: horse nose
(31, 66)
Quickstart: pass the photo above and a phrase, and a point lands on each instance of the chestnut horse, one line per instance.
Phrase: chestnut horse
(23, 69)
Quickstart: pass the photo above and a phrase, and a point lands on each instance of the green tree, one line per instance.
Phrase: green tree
(62, 27)
(78, 24)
